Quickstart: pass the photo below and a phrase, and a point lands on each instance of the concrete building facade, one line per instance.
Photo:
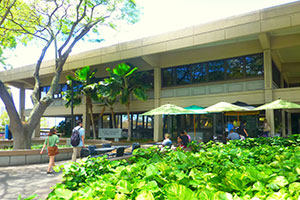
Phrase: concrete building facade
(253, 58)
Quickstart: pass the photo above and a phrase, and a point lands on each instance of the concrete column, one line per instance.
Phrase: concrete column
(268, 88)
(289, 123)
(158, 132)
(283, 123)
(22, 103)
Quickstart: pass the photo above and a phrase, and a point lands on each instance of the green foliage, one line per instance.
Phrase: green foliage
(217, 171)
(4, 119)
(20, 13)
(64, 127)
(82, 82)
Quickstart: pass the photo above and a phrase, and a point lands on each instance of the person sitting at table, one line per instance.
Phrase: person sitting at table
(182, 141)
(183, 132)
(233, 135)
(167, 141)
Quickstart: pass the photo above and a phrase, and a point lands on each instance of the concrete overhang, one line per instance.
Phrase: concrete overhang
(280, 26)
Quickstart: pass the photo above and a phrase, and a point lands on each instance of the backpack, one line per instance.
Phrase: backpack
(75, 138)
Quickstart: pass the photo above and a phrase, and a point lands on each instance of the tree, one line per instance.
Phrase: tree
(61, 23)
(108, 91)
(20, 12)
(84, 78)
(129, 83)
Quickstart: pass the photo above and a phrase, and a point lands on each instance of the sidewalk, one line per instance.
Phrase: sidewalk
(26, 180)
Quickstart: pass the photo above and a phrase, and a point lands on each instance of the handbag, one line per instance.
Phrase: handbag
(52, 151)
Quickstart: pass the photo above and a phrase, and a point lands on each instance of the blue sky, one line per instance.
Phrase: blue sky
(158, 16)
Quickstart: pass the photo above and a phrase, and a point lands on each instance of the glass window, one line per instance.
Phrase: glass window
(199, 72)
(204, 121)
(235, 68)
(254, 66)
(124, 122)
(118, 121)
(106, 121)
(148, 78)
(148, 122)
(168, 77)
(216, 71)
(183, 75)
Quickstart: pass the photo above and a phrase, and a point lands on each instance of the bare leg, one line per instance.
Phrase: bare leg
(51, 163)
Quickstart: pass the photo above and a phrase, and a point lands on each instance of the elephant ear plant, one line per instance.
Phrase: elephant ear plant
(256, 168)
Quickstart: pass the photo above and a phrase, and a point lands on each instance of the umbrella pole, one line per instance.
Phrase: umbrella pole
(194, 126)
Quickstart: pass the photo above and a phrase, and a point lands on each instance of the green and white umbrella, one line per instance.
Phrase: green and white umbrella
(197, 110)
(168, 109)
(224, 107)
(278, 104)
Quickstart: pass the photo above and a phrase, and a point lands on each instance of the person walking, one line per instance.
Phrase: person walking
(77, 149)
(51, 143)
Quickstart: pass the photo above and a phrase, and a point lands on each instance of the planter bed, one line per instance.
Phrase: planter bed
(25, 157)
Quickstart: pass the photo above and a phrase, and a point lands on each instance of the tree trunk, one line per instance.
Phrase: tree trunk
(129, 123)
(22, 138)
(113, 117)
(89, 102)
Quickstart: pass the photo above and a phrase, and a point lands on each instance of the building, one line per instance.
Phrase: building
(253, 58)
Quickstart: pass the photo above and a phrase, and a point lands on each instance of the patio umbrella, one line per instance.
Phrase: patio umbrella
(198, 110)
(224, 107)
(168, 109)
(278, 104)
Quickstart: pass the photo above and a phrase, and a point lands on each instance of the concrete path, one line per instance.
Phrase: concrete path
(27, 180)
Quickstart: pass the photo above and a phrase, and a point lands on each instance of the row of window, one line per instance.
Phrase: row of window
(121, 121)
(232, 68)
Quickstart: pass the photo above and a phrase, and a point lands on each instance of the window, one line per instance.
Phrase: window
(216, 71)
(183, 75)
(235, 68)
(226, 69)
(168, 77)
(198, 72)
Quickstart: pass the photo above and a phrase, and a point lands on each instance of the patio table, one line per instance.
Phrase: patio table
(104, 149)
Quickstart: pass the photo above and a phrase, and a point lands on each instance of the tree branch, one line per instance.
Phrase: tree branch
(36, 89)
(9, 105)
(73, 27)
(7, 12)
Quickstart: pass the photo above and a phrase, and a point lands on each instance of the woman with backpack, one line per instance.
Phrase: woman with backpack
(52, 149)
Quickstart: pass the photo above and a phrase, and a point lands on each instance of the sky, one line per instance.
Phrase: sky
(158, 16)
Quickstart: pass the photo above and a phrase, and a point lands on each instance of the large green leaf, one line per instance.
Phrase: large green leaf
(145, 195)
(178, 192)
(124, 186)
(63, 193)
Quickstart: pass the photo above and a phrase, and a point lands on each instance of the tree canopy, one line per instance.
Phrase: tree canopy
(61, 23)
(20, 12)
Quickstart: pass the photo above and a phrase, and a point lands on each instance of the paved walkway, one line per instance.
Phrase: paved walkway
(27, 180)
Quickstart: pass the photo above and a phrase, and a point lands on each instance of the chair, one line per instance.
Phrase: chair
(92, 150)
(120, 152)
(84, 152)
(106, 145)
(134, 146)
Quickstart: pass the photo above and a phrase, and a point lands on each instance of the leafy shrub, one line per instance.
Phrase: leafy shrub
(251, 169)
